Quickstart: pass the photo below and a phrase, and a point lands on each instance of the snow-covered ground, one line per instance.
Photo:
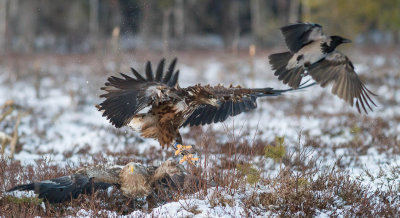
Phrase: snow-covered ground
(63, 125)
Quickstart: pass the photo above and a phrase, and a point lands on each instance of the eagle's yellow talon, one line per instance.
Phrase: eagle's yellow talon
(181, 148)
(178, 149)
(186, 155)
(187, 147)
(189, 158)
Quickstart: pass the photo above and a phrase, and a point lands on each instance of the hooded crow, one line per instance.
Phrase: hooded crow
(313, 52)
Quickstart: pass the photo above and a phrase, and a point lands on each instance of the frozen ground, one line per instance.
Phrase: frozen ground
(63, 126)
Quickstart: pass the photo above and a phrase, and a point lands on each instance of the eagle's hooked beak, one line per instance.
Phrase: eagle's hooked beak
(131, 168)
(214, 102)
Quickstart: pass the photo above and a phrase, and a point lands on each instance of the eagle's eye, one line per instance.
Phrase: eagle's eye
(210, 96)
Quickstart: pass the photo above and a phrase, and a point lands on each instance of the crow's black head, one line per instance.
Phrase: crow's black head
(337, 40)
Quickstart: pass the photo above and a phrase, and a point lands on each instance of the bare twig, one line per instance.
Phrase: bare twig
(14, 140)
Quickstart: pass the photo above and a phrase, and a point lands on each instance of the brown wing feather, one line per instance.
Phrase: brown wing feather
(233, 101)
(336, 68)
(126, 96)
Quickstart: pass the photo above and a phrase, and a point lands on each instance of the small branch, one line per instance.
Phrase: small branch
(10, 104)
(4, 138)
(14, 140)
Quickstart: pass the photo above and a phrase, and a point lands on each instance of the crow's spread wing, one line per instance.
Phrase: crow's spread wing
(232, 101)
(300, 34)
(337, 69)
(62, 188)
(126, 96)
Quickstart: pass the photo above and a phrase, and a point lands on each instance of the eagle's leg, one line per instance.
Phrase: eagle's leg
(186, 151)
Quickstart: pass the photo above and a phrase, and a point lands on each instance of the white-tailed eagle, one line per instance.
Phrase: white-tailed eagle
(172, 107)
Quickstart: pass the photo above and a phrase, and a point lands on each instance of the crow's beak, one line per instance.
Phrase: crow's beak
(346, 40)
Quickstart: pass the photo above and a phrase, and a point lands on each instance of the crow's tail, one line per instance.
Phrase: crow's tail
(292, 76)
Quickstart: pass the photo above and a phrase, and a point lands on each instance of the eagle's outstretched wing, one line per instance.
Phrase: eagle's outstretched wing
(299, 34)
(338, 70)
(126, 96)
(233, 101)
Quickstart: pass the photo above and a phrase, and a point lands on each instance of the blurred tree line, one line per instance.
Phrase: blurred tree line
(86, 25)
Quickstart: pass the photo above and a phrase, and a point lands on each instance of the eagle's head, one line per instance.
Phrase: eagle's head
(134, 180)
(203, 95)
